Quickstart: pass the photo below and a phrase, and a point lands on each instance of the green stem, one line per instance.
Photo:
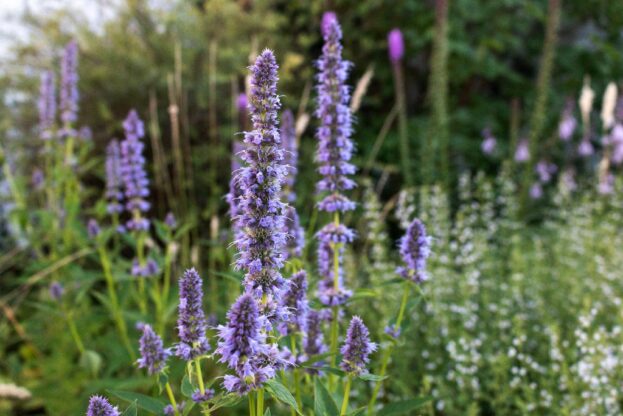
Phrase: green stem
(74, 331)
(252, 404)
(399, 91)
(140, 253)
(388, 352)
(171, 398)
(199, 376)
(297, 379)
(260, 402)
(346, 396)
(336, 286)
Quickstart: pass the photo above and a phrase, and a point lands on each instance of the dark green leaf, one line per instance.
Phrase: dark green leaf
(281, 393)
(187, 387)
(372, 377)
(131, 410)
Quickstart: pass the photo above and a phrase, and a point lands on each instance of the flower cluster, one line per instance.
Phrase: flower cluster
(133, 172)
(191, 323)
(99, 406)
(414, 250)
(114, 192)
(153, 355)
(357, 347)
(47, 105)
(294, 299)
(261, 211)
(69, 88)
(242, 346)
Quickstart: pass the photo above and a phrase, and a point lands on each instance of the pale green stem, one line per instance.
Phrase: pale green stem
(140, 253)
(336, 286)
(74, 331)
(252, 404)
(114, 302)
(346, 396)
(297, 381)
(171, 398)
(260, 402)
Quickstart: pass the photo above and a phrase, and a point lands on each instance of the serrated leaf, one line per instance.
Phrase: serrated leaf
(279, 392)
(371, 377)
(131, 410)
(400, 408)
(324, 405)
(149, 404)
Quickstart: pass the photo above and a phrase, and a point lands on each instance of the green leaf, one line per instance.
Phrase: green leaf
(357, 412)
(327, 369)
(146, 403)
(399, 408)
(91, 361)
(267, 412)
(131, 410)
(281, 393)
(163, 379)
(226, 401)
(324, 405)
(371, 377)
(187, 387)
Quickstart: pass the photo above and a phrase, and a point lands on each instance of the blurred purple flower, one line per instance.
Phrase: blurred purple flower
(536, 190)
(153, 355)
(585, 148)
(47, 105)
(414, 250)
(489, 142)
(396, 45)
(545, 170)
(522, 153)
(56, 291)
(69, 95)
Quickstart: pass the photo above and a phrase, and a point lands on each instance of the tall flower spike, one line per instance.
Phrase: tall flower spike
(568, 123)
(233, 197)
(191, 323)
(295, 233)
(396, 45)
(288, 137)
(261, 211)
(414, 250)
(69, 87)
(294, 299)
(133, 172)
(242, 346)
(114, 193)
(335, 148)
(99, 406)
(153, 355)
(357, 347)
(47, 105)
(522, 153)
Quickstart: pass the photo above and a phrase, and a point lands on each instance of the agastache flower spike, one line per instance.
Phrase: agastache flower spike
(414, 250)
(261, 211)
(191, 323)
(288, 137)
(295, 233)
(335, 147)
(99, 406)
(242, 346)
(294, 299)
(568, 122)
(114, 193)
(47, 105)
(69, 87)
(133, 172)
(153, 355)
(522, 153)
(357, 348)
(396, 45)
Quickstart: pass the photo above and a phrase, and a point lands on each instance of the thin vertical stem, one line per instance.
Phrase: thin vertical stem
(260, 402)
(252, 404)
(346, 396)
(172, 398)
(399, 91)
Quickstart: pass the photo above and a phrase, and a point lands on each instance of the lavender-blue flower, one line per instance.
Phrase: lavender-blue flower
(357, 347)
(69, 95)
(191, 323)
(99, 406)
(47, 105)
(414, 250)
(153, 355)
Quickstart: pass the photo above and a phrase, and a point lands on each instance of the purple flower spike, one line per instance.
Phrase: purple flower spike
(328, 293)
(93, 228)
(69, 87)
(170, 221)
(568, 123)
(414, 250)
(545, 170)
(47, 105)
(191, 323)
(99, 406)
(396, 45)
(56, 291)
(522, 153)
(585, 148)
(153, 355)
(327, 19)
(242, 346)
(335, 148)
(536, 191)
(313, 338)
(133, 172)
(169, 411)
(261, 211)
(37, 179)
(392, 331)
(489, 142)
(357, 348)
(114, 193)
(294, 299)
(242, 102)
